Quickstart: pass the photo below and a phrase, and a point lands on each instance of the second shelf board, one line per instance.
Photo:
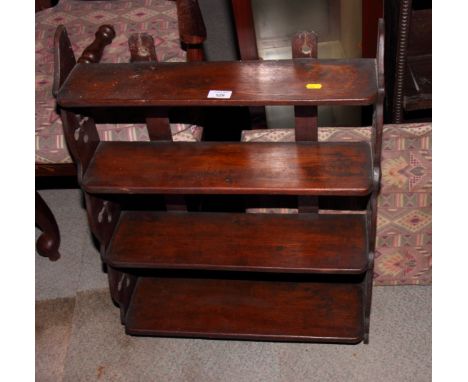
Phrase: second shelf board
(295, 168)
(279, 82)
(305, 243)
(247, 309)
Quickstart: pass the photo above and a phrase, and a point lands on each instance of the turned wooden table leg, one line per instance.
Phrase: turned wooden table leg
(48, 243)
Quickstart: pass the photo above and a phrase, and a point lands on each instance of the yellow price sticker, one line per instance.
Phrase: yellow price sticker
(314, 86)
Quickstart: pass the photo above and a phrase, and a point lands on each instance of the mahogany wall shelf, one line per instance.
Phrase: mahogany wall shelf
(303, 277)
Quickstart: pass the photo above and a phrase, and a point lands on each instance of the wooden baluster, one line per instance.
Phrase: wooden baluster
(93, 53)
(304, 45)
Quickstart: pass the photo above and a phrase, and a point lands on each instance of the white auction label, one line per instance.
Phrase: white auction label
(219, 94)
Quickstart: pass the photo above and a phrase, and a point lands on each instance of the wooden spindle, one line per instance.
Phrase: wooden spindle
(93, 53)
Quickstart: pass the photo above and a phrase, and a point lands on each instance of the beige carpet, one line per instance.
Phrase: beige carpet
(79, 336)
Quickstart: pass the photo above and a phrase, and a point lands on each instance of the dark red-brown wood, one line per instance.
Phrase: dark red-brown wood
(48, 243)
(64, 58)
(192, 35)
(240, 291)
(246, 309)
(302, 168)
(303, 243)
(351, 82)
(192, 29)
(372, 11)
(55, 169)
(141, 46)
(245, 29)
(304, 45)
(93, 53)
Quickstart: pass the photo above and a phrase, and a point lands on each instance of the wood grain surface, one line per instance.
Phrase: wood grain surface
(301, 168)
(282, 82)
(305, 243)
(246, 309)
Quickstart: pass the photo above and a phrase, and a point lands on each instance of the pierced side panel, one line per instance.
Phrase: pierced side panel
(64, 58)
(121, 287)
(103, 216)
(82, 139)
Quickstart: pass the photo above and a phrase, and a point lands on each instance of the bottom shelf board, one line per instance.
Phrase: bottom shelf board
(247, 309)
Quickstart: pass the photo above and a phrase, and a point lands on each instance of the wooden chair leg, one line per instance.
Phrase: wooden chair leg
(48, 243)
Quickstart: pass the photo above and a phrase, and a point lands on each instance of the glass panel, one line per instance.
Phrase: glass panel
(339, 28)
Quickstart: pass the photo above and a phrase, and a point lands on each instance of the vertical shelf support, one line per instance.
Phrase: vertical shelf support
(304, 45)
(376, 142)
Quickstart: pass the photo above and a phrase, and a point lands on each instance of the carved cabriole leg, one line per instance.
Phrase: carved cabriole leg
(48, 243)
(304, 45)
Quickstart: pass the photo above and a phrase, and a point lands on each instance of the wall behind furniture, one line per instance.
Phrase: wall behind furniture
(221, 43)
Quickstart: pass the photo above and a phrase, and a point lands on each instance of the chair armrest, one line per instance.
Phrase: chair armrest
(191, 26)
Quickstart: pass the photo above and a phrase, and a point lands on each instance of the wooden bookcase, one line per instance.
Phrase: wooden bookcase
(192, 273)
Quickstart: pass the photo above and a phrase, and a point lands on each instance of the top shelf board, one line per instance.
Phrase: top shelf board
(253, 83)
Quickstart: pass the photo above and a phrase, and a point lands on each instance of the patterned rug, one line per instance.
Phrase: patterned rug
(404, 227)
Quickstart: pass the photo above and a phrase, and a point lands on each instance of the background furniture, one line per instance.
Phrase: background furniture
(178, 30)
(408, 59)
(247, 39)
